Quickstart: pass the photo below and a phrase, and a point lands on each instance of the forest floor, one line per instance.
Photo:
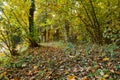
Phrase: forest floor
(64, 62)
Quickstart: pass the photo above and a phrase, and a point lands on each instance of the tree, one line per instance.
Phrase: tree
(91, 21)
(32, 28)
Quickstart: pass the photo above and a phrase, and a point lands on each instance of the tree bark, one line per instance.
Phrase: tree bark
(32, 29)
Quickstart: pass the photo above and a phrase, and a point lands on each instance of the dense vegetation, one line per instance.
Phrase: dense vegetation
(59, 39)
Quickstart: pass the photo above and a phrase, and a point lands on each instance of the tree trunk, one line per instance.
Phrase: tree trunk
(98, 38)
(32, 29)
(67, 30)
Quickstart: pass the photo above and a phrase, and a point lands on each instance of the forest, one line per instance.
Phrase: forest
(59, 39)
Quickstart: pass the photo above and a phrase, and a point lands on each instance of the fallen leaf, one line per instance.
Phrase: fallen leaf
(118, 72)
(30, 73)
(89, 68)
(3, 74)
(24, 65)
(84, 78)
(102, 79)
(112, 71)
(106, 59)
(16, 78)
(106, 76)
(71, 77)
(97, 66)
(35, 67)
(75, 70)
(66, 72)
(101, 73)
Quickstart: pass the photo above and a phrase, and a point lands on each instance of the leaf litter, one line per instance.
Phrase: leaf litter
(55, 63)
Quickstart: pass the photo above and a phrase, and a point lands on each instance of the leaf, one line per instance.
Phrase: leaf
(118, 72)
(106, 76)
(84, 78)
(102, 79)
(30, 73)
(102, 73)
(2, 54)
(106, 59)
(112, 71)
(97, 66)
(3, 74)
(24, 65)
(35, 67)
(66, 72)
(71, 77)
(89, 68)
(16, 78)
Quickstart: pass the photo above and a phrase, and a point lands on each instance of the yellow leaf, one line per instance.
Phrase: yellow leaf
(102, 79)
(3, 74)
(35, 67)
(66, 72)
(2, 54)
(106, 59)
(84, 78)
(106, 76)
(71, 77)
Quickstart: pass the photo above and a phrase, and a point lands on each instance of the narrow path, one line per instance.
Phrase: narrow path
(53, 44)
